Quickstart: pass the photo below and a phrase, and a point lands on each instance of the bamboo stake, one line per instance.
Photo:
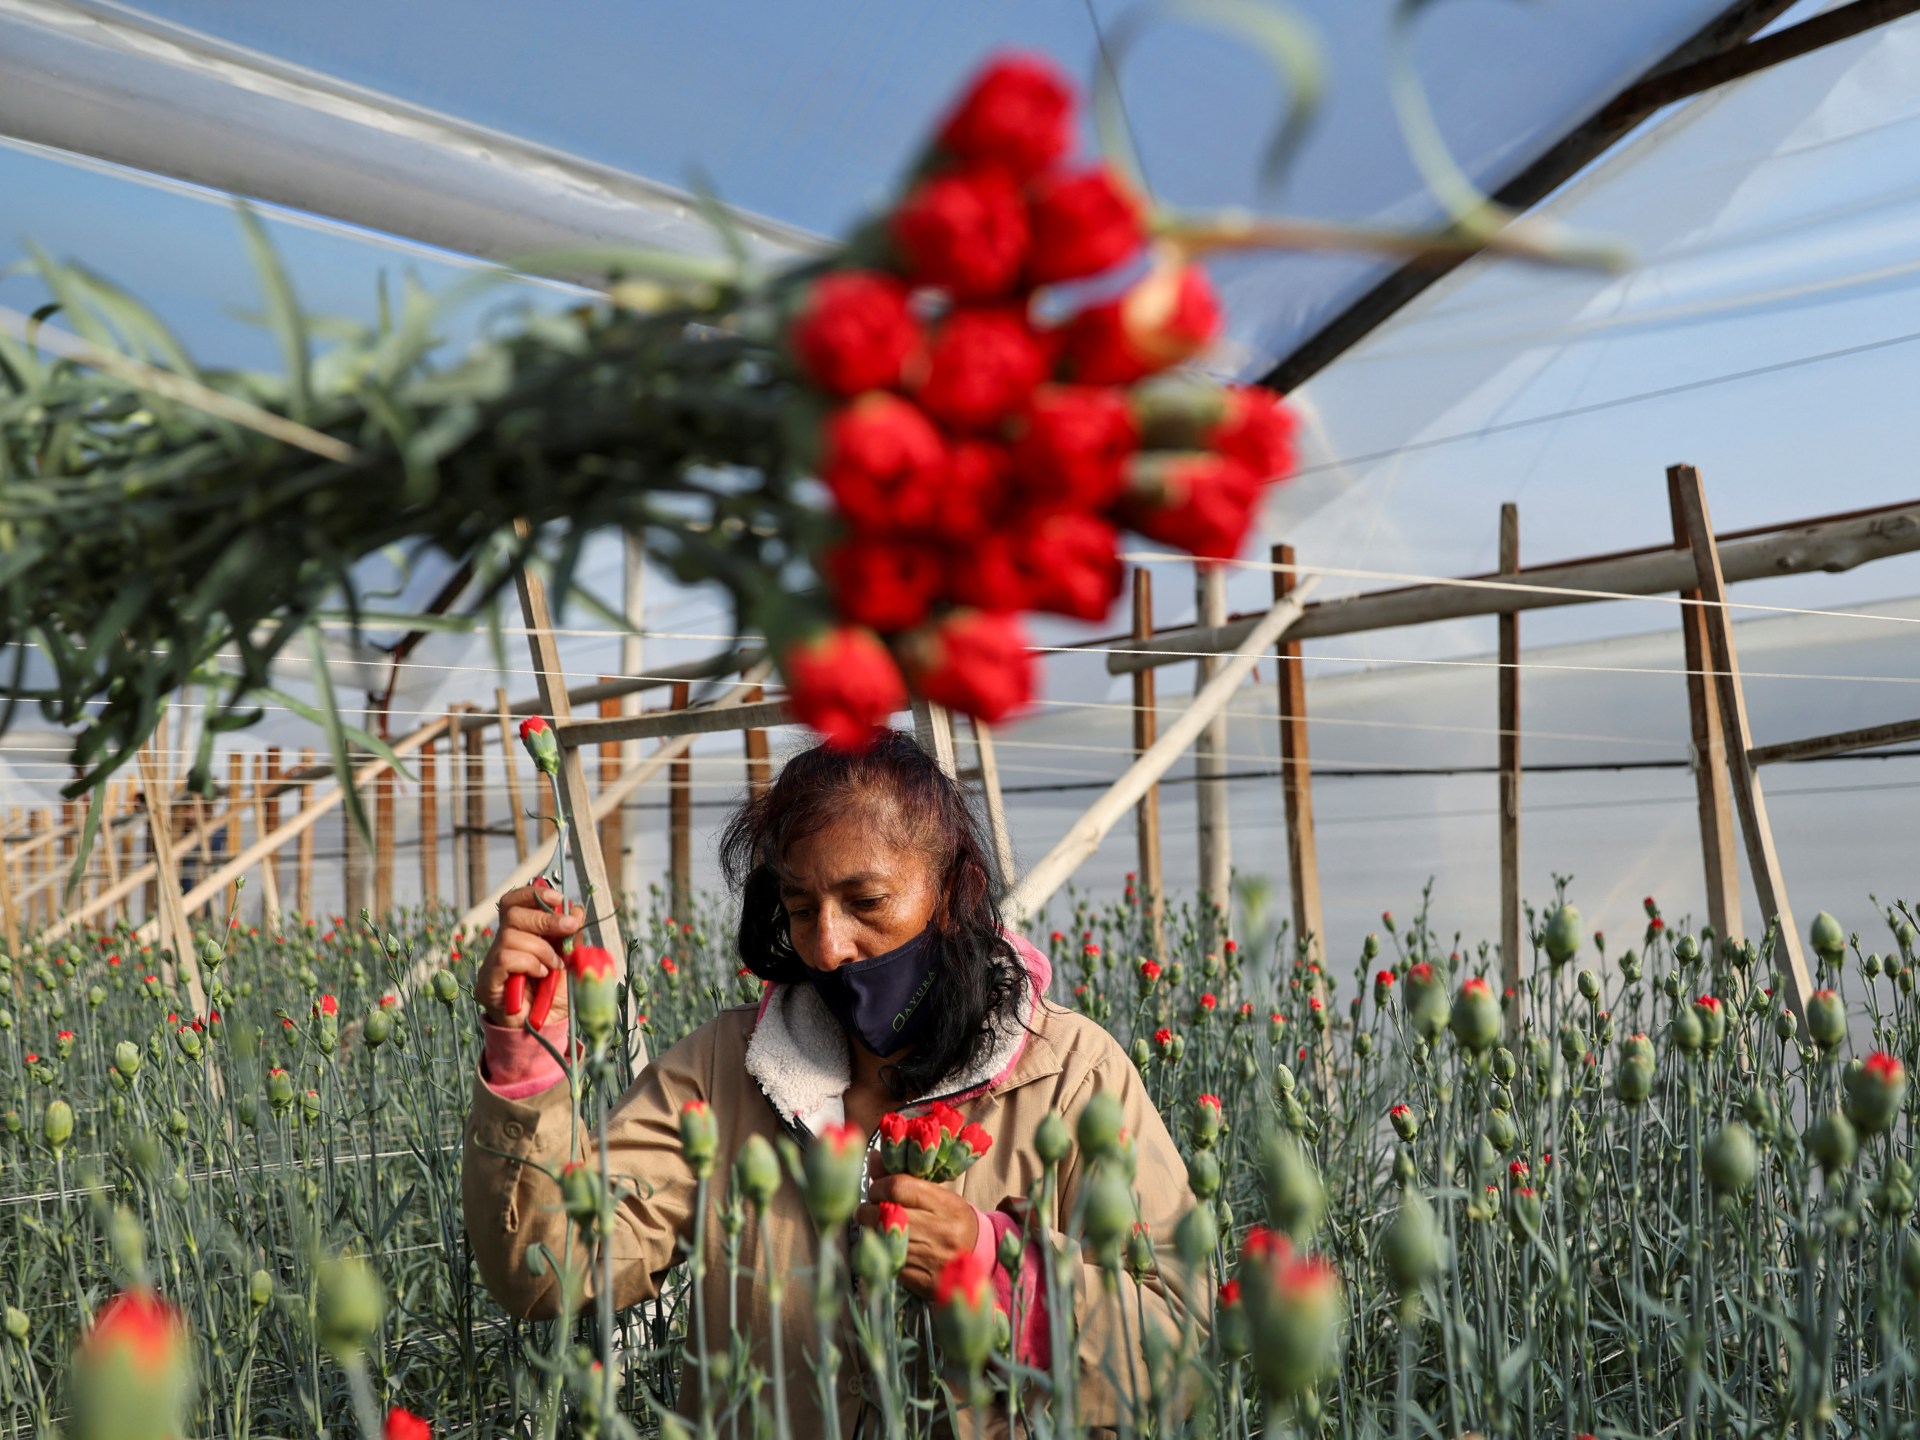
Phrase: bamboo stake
(1508, 700)
(1146, 725)
(1296, 783)
(269, 881)
(1036, 887)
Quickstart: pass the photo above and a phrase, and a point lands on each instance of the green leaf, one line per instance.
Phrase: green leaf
(327, 716)
(283, 309)
(365, 739)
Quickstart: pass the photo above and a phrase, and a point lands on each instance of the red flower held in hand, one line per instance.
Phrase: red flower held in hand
(964, 232)
(855, 332)
(884, 462)
(844, 684)
(887, 584)
(1016, 116)
(404, 1425)
(1170, 316)
(1082, 222)
(892, 1217)
(981, 367)
(974, 662)
(1072, 446)
(893, 1127)
(924, 1131)
(1257, 430)
(975, 1138)
(1203, 504)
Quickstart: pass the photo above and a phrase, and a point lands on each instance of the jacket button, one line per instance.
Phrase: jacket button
(511, 1129)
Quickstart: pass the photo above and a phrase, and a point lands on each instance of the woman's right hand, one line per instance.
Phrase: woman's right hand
(534, 924)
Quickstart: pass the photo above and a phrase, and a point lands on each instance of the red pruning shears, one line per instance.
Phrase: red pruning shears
(542, 997)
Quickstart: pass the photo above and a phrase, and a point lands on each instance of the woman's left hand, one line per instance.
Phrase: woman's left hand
(940, 1225)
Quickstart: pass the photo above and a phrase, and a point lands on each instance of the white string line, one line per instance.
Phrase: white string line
(1139, 557)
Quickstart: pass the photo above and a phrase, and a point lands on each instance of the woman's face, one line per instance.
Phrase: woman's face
(851, 895)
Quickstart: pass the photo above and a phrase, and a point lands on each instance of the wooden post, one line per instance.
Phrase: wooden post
(270, 810)
(128, 838)
(476, 740)
(1509, 722)
(632, 663)
(303, 863)
(429, 825)
(175, 934)
(680, 824)
(759, 767)
(1713, 796)
(996, 805)
(603, 920)
(1146, 728)
(1768, 883)
(9, 914)
(383, 841)
(107, 842)
(69, 848)
(236, 791)
(510, 757)
(934, 730)
(1210, 766)
(269, 877)
(613, 829)
(457, 809)
(1296, 781)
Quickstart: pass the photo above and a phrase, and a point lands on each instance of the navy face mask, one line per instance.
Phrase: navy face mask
(886, 1003)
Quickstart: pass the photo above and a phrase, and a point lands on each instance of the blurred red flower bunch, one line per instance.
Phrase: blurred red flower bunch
(984, 450)
(940, 1145)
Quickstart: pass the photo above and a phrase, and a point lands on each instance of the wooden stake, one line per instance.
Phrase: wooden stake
(1713, 797)
(1210, 766)
(476, 741)
(613, 829)
(633, 592)
(510, 756)
(383, 842)
(1152, 890)
(236, 798)
(457, 809)
(270, 810)
(934, 730)
(269, 879)
(174, 932)
(1296, 782)
(996, 806)
(1768, 882)
(603, 920)
(303, 861)
(1509, 723)
(9, 915)
(759, 767)
(680, 825)
(429, 825)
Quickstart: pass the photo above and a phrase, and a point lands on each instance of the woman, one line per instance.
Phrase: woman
(867, 905)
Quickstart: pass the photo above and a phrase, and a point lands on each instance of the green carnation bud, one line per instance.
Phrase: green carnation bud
(1826, 1018)
(1829, 940)
(1196, 1236)
(1501, 1132)
(1414, 1247)
(1833, 1142)
(126, 1058)
(1476, 1016)
(446, 989)
(351, 1305)
(1100, 1123)
(699, 1137)
(1109, 1213)
(1203, 1174)
(1876, 1093)
(1633, 1077)
(1296, 1198)
(57, 1124)
(18, 1326)
(1505, 1067)
(378, 1028)
(1052, 1141)
(1563, 934)
(756, 1171)
(1686, 1032)
(260, 1289)
(1589, 984)
(1732, 1159)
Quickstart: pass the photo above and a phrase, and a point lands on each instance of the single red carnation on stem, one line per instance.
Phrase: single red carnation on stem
(1170, 316)
(1082, 222)
(882, 582)
(975, 662)
(1256, 429)
(854, 332)
(893, 1127)
(1204, 504)
(1015, 116)
(966, 1278)
(884, 462)
(404, 1425)
(975, 1138)
(964, 232)
(590, 962)
(844, 683)
(981, 367)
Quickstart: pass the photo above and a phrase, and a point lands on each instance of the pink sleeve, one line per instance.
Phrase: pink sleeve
(513, 1065)
(1034, 1345)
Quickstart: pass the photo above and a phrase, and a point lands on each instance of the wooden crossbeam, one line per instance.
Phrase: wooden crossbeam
(1768, 882)
(661, 724)
(1844, 742)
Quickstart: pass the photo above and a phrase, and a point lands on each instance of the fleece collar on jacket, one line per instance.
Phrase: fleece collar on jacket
(799, 1054)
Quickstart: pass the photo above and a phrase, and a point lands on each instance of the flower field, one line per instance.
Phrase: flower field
(1659, 1210)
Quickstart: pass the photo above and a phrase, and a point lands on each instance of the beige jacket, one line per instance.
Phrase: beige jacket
(780, 1069)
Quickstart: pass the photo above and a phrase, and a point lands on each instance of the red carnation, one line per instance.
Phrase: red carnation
(975, 1138)
(1208, 1001)
(884, 462)
(327, 1006)
(147, 1331)
(403, 1425)
(893, 1127)
(1015, 116)
(966, 1277)
(529, 727)
(1170, 316)
(1477, 985)
(964, 232)
(1072, 445)
(892, 1216)
(1883, 1067)
(975, 662)
(1229, 1294)
(1163, 1037)
(1149, 970)
(590, 962)
(1204, 504)
(843, 683)
(854, 332)
(979, 479)
(924, 1131)
(1083, 222)
(1212, 1100)
(1257, 430)
(981, 367)
(883, 583)
(1063, 563)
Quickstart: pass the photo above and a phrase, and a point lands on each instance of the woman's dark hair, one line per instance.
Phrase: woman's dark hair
(891, 782)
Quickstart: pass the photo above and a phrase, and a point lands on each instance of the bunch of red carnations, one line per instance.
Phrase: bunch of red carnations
(988, 434)
(940, 1145)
